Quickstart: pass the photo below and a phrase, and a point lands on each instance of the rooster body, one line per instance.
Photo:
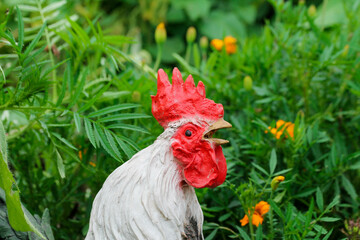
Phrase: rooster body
(152, 195)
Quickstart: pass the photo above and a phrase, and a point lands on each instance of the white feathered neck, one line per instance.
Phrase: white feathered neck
(144, 198)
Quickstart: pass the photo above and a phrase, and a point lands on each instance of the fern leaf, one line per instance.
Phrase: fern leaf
(111, 109)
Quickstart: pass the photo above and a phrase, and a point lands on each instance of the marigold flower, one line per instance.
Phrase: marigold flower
(230, 44)
(276, 181)
(217, 44)
(282, 126)
(257, 218)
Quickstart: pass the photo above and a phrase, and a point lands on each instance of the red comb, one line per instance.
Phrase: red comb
(182, 100)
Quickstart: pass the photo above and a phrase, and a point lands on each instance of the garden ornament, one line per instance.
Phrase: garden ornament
(152, 195)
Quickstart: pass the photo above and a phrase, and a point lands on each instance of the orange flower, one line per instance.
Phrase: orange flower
(282, 126)
(257, 218)
(230, 44)
(217, 44)
(92, 164)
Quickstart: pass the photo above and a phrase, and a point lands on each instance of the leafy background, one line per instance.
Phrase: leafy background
(76, 77)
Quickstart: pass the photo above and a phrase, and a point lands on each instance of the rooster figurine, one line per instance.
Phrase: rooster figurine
(152, 195)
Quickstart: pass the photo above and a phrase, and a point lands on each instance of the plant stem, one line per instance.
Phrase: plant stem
(251, 227)
(271, 219)
(158, 56)
(188, 52)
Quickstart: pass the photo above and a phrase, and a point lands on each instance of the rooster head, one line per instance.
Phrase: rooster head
(199, 156)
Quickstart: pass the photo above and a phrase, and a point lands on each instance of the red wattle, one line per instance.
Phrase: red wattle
(221, 161)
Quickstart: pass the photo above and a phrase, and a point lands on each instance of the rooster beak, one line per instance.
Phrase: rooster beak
(219, 124)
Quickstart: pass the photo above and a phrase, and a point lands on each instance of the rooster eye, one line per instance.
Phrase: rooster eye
(188, 133)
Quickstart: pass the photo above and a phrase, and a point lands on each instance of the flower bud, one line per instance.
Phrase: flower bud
(312, 10)
(345, 51)
(276, 181)
(160, 33)
(301, 2)
(136, 96)
(204, 42)
(248, 83)
(217, 44)
(191, 35)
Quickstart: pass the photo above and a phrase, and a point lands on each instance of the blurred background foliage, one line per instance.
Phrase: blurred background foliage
(76, 79)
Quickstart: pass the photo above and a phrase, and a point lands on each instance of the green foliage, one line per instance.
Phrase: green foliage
(74, 105)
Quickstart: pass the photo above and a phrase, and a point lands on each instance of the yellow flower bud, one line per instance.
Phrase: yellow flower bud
(204, 43)
(191, 35)
(248, 83)
(312, 10)
(160, 33)
(301, 2)
(276, 181)
(345, 51)
(136, 96)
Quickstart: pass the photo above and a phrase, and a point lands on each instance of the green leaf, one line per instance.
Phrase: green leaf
(111, 109)
(34, 41)
(20, 29)
(105, 143)
(128, 127)
(334, 202)
(349, 187)
(319, 199)
(260, 168)
(128, 151)
(259, 233)
(329, 219)
(79, 88)
(89, 132)
(60, 164)
(243, 234)
(328, 235)
(3, 143)
(66, 142)
(273, 161)
(212, 234)
(63, 86)
(113, 144)
(45, 225)
(17, 218)
(77, 121)
(276, 209)
(94, 98)
(124, 116)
